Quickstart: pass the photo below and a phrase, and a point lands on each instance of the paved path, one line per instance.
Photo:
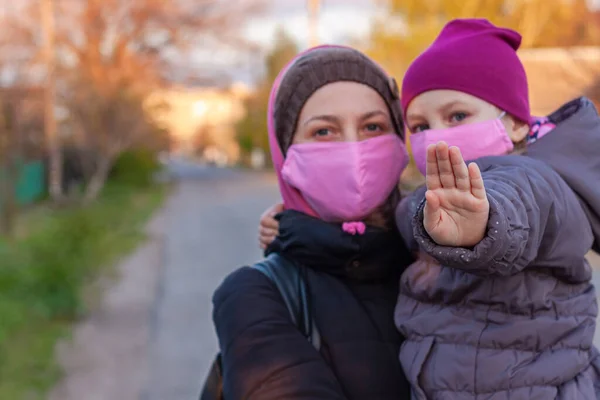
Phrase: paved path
(107, 358)
(211, 230)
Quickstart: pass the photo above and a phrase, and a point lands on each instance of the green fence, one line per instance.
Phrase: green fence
(31, 182)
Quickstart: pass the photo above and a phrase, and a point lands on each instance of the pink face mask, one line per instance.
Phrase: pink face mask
(488, 138)
(346, 181)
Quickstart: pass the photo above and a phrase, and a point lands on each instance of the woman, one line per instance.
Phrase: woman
(337, 141)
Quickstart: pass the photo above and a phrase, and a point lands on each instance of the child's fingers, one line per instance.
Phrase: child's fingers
(277, 208)
(265, 241)
(431, 214)
(477, 186)
(461, 172)
(269, 223)
(432, 175)
(444, 165)
(267, 232)
(266, 219)
(268, 228)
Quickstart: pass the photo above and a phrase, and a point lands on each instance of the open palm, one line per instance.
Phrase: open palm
(457, 209)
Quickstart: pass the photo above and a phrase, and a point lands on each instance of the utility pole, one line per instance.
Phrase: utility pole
(50, 126)
(313, 22)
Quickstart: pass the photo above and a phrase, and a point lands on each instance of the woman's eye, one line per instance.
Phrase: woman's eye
(419, 128)
(322, 132)
(458, 117)
(373, 127)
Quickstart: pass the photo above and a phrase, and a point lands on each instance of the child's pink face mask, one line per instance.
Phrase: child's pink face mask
(345, 181)
(488, 138)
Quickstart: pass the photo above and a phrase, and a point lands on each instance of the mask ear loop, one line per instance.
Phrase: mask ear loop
(520, 147)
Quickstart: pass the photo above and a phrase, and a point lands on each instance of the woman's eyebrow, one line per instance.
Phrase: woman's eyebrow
(372, 114)
(328, 118)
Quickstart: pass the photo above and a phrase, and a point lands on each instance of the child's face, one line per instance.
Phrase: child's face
(440, 109)
(343, 111)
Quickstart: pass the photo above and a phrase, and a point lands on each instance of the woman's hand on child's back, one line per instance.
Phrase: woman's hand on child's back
(268, 227)
(457, 209)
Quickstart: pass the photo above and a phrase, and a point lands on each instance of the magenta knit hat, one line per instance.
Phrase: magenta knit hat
(475, 57)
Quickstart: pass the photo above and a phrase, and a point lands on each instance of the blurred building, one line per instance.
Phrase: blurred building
(201, 120)
(557, 75)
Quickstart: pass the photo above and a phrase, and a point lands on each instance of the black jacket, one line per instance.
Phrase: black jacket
(354, 285)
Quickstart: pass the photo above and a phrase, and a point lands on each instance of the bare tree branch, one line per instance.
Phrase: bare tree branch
(112, 53)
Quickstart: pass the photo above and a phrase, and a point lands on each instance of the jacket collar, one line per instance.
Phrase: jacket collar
(376, 255)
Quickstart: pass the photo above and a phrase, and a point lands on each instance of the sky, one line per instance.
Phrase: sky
(340, 22)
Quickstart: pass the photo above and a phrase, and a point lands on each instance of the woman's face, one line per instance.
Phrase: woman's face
(343, 111)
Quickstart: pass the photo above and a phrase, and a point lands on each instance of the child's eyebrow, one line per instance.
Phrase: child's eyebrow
(447, 106)
(413, 117)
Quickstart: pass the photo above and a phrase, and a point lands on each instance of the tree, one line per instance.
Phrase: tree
(409, 26)
(50, 127)
(8, 208)
(111, 124)
(113, 53)
(203, 138)
(252, 130)
(125, 53)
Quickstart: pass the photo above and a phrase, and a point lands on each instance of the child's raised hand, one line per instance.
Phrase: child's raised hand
(457, 209)
(268, 227)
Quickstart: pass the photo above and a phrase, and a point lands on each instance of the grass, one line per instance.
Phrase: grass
(46, 272)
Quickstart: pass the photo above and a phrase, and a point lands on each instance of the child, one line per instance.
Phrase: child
(510, 312)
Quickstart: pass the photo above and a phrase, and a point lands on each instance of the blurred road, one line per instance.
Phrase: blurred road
(211, 230)
(212, 221)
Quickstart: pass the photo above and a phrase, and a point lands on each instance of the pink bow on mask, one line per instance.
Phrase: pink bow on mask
(354, 228)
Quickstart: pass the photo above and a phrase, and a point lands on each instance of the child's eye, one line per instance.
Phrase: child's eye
(419, 128)
(458, 117)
